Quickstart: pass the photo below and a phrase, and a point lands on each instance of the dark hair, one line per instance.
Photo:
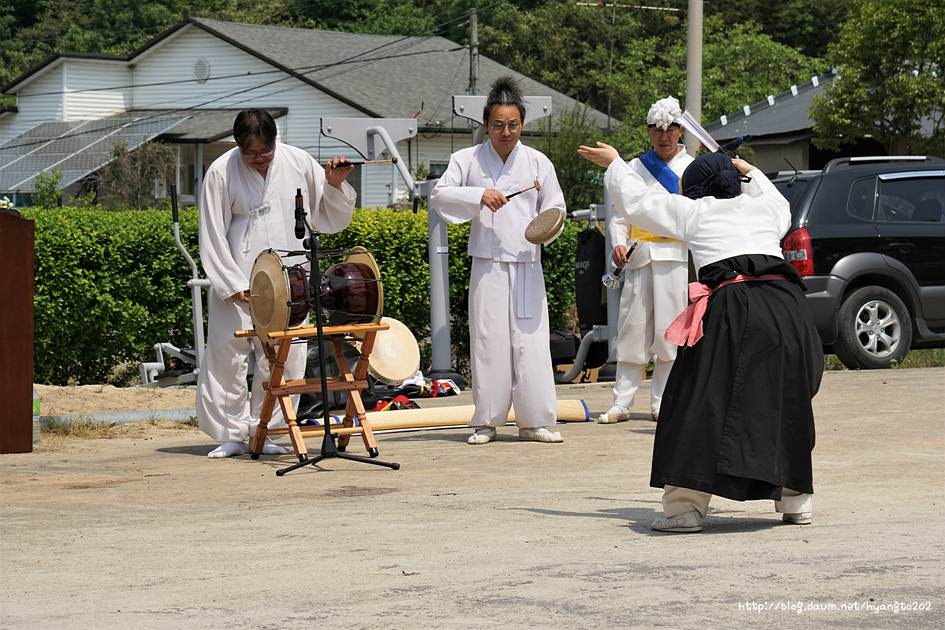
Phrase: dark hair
(254, 124)
(505, 91)
(711, 175)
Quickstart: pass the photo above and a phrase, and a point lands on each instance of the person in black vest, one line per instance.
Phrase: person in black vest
(737, 419)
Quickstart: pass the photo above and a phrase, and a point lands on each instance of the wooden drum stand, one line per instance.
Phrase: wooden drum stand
(277, 388)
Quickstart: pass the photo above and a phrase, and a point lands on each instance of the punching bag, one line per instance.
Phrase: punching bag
(590, 292)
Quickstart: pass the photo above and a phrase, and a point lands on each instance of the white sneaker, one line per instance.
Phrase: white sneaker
(797, 518)
(617, 413)
(541, 434)
(482, 435)
(686, 522)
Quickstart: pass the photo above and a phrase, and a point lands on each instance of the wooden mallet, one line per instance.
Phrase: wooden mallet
(537, 186)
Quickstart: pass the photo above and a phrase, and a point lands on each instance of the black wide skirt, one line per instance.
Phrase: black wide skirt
(736, 418)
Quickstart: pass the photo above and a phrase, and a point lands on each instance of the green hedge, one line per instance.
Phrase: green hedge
(110, 285)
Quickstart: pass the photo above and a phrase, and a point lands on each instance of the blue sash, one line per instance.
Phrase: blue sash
(661, 171)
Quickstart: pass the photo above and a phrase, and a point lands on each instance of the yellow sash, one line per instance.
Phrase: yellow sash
(636, 234)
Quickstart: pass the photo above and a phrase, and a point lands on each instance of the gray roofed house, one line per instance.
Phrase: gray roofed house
(204, 71)
(384, 76)
(781, 130)
(779, 126)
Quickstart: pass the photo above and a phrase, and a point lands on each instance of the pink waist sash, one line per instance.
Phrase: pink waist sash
(686, 329)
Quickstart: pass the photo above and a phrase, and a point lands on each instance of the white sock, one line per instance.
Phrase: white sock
(271, 448)
(227, 449)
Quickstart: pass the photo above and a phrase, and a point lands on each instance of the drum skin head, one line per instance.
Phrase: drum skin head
(396, 354)
(544, 226)
(268, 295)
(359, 254)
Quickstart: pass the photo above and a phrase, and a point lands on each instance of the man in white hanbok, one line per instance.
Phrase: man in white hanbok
(655, 275)
(508, 307)
(247, 206)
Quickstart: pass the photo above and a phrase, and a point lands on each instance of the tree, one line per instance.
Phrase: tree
(808, 26)
(741, 66)
(48, 192)
(891, 64)
(128, 180)
(562, 133)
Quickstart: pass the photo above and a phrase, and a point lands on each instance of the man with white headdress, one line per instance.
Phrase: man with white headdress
(655, 272)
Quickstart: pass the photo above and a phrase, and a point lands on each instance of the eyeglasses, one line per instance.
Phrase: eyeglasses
(262, 154)
(512, 127)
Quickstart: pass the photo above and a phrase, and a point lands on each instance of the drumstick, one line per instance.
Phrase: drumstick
(392, 160)
(537, 186)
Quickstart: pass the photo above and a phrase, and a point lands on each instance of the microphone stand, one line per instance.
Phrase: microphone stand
(329, 448)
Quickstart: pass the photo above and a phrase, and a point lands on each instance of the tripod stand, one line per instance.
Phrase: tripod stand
(329, 448)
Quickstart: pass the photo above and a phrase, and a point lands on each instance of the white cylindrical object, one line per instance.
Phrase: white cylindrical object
(37, 429)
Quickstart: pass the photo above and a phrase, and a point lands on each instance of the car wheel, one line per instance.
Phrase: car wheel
(874, 329)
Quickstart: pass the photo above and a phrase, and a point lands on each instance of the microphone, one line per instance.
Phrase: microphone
(733, 145)
(299, 215)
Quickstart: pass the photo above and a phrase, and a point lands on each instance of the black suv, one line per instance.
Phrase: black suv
(868, 237)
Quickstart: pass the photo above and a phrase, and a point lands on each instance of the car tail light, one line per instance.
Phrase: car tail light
(797, 251)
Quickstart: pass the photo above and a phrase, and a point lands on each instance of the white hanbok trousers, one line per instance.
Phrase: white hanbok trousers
(652, 297)
(510, 345)
(678, 500)
(225, 410)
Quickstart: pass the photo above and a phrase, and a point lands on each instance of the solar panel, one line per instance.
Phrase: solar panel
(77, 148)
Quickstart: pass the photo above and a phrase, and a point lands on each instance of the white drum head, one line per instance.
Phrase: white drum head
(396, 354)
(268, 295)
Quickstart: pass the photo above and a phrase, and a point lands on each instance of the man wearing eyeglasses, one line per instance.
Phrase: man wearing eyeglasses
(247, 206)
(655, 272)
(508, 307)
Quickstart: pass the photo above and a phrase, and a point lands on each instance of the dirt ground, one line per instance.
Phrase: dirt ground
(89, 399)
(142, 530)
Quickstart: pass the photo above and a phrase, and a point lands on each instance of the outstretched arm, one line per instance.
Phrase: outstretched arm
(603, 155)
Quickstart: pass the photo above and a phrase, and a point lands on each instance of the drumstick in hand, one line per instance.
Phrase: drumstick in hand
(537, 186)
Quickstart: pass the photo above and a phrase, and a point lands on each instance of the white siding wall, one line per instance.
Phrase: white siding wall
(85, 98)
(39, 101)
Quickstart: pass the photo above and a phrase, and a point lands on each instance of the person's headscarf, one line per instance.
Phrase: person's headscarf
(711, 175)
(663, 113)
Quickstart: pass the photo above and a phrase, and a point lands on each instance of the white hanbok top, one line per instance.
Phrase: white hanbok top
(649, 251)
(500, 235)
(242, 214)
(714, 229)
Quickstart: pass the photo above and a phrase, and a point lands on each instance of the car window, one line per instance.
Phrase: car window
(792, 190)
(862, 194)
(911, 199)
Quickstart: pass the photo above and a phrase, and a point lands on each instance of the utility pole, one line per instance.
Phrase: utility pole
(694, 72)
(473, 52)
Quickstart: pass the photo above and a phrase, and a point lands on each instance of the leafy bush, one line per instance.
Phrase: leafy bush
(110, 285)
